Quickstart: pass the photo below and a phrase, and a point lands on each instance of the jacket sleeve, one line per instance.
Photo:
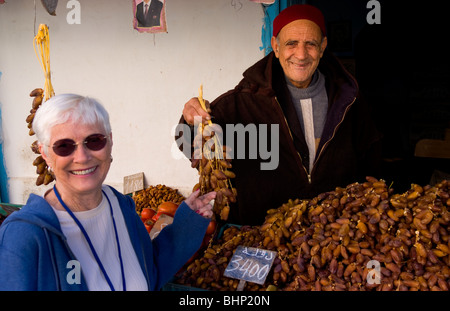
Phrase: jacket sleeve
(161, 258)
(173, 247)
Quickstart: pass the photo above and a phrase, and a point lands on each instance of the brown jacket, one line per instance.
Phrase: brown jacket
(348, 150)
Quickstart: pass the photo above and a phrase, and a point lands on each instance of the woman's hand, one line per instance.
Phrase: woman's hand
(200, 204)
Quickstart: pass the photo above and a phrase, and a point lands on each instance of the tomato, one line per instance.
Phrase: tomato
(211, 227)
(148, 225)
(205, 242)
(149, 228)
(157, 215)
(168, 208)
(147, 213)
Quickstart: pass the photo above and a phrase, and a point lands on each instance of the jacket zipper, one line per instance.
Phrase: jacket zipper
(292, 137)
(324, 146)
(334, 133)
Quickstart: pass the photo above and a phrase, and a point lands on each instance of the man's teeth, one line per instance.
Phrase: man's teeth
(84, 172)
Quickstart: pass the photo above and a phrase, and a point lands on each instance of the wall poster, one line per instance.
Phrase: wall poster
(149, 16)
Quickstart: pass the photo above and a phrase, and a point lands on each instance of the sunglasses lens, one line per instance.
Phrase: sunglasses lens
(64, 147)
(95, 142)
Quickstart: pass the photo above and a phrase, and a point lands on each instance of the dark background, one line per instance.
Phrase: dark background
(403, 70)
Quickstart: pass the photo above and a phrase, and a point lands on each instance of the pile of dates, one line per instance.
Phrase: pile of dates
(358, 238)
(153, 196)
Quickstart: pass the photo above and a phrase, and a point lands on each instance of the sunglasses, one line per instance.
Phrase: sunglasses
(66, 147)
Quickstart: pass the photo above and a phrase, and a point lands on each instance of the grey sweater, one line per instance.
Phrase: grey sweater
(311, 104)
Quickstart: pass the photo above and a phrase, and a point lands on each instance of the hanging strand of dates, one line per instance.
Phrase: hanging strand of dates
(44, 175)
(41, 43)
(214, 165)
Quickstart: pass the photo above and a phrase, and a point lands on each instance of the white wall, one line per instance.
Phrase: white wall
(142, 79)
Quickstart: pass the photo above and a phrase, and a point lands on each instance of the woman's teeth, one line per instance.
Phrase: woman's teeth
(84, 172)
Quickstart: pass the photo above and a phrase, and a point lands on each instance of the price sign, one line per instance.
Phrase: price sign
(133, 183)
(250, 264)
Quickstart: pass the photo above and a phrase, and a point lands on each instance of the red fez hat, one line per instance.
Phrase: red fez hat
(299, 11)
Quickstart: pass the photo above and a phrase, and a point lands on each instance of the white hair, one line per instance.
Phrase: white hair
(60, 108)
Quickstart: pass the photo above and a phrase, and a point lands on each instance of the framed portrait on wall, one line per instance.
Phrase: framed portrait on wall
(149, 16)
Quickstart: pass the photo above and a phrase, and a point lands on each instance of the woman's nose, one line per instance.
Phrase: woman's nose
(81, 153)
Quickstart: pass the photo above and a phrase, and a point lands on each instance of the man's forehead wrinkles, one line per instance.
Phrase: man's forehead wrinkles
(300, 36)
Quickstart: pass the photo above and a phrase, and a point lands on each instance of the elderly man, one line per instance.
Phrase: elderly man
(326, 138)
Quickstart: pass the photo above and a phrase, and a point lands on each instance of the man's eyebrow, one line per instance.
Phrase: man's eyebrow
(290, 41)
(312, 41)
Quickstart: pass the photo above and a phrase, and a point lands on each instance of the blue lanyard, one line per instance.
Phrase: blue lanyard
(86, 236)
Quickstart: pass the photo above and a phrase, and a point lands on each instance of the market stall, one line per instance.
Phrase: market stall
(361, 237)
(364, 236)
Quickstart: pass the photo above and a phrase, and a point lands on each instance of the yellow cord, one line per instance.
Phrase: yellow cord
(218, 149)
(202, 102)
(41, 43)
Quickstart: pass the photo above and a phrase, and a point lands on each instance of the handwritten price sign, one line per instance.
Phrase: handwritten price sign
(250, 264)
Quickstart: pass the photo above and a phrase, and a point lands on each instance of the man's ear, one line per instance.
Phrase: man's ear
(275, 46)
(323, 46)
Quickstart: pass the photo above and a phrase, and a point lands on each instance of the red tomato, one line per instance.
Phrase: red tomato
(147, 213)
(211, 227)
(148, 225)
(157, 215)
(168, 208)
(206, 240)
(149, 228)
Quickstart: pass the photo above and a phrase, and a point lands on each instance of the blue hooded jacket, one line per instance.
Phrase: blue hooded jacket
(34, 254)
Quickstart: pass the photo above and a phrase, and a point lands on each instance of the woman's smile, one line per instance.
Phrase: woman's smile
(84, 171)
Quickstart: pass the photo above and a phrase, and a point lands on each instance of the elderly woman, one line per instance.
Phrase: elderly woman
(82, 234)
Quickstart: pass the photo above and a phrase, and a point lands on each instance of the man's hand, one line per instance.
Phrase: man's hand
(193, 109)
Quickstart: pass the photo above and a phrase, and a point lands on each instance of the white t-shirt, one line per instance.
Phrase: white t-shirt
(99, 226)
